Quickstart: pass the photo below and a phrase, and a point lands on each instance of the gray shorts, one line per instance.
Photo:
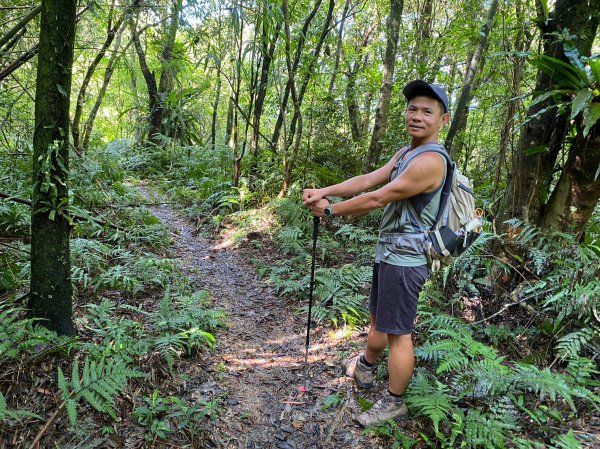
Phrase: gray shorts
(394, 296)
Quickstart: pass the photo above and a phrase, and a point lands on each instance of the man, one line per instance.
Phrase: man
(398, 275)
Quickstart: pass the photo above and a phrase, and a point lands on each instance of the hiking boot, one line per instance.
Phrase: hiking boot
(388, 407)
(362, 374)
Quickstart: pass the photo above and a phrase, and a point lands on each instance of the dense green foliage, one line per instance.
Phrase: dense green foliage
(229, 109)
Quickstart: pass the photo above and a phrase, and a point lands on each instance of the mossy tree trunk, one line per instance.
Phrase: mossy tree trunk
(50, 297)
(577, 191)
(544, 136)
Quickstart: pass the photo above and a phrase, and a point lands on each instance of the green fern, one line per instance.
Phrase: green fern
(6, 414)
(430, 399)
(355, 234)
(567, 441)
(570, 345)
(98, 384)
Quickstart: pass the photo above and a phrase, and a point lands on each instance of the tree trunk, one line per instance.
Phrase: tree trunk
(167, 72)
(51, 290)
(229, 120)
(154, 105)
(338, 49)
(88, 126)
(111, 33)
(357, 127)
(352, 103)
(424, 27)
(294, 67)
(460, 115)
(296, 123)
(533, 169)
(577, 192)
(213, 125)
(20, 25)
(385, 93)
(267, 59)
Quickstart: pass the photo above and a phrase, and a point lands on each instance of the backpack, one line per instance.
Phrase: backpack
(457, 224)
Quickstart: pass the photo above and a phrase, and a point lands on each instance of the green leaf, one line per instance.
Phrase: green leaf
(75, 375)
(61, 90)
(537, 149)
(580, 101)
(542, 96)
(595, 66)
(590, 117)
(62, 383)
(597, 173)
(564, 74)
(71, 407)
(573, 54)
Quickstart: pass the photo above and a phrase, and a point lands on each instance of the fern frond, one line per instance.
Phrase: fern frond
(430, 399)
(99, 384)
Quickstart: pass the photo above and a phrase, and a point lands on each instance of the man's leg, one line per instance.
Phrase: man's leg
(376, 343)
(401, 363)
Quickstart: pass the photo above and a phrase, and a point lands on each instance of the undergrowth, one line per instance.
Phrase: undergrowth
(484, 381)
(138, 318)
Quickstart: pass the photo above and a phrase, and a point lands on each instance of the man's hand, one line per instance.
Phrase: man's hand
(318, 208)
(311, 196)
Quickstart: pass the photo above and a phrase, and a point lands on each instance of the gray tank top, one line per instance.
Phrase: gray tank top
(397, 220)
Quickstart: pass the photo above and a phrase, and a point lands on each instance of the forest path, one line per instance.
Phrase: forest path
(257, 367)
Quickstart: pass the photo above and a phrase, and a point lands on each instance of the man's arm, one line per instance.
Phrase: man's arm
(352, 186)
(423, 174)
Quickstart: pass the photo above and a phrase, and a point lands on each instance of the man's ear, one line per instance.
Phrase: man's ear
(445, 119)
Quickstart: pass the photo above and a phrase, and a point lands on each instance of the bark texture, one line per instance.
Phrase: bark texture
(50, 297)
(543, 137)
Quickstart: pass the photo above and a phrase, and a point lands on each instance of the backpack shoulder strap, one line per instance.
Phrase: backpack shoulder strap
(434, 147)
(431, 148)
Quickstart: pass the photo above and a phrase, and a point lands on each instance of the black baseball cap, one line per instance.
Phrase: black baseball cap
(420, 87)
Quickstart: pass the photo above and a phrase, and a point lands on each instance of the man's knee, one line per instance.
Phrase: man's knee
(400, 340)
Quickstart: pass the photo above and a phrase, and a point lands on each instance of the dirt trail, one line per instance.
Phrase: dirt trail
(257, 366)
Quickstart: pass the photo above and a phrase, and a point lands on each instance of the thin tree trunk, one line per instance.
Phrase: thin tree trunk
(338, 49)
(268, 53)
(213, 126)
(229, 120)
(51, 290)
(88, 126)
(294, 67)
(20, 25)
(352, 103)
(236, 103)
(357, 128)
(167, 73)
(111, 33)
(460, 115)
(152, 87)
(296, 123)
(424, 28)
(385, 93)
(507, 132)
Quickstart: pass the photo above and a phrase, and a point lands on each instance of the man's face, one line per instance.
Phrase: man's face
(424, 118)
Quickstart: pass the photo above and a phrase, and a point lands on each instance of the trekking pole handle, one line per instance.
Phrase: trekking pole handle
(316, 221)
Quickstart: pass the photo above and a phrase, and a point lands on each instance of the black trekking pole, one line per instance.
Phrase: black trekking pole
(316, 221)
